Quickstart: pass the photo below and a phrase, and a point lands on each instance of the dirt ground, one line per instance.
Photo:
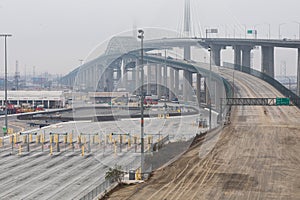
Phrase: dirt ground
(256, 156)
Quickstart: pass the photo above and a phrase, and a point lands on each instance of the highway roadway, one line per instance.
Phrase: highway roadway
(256, 156)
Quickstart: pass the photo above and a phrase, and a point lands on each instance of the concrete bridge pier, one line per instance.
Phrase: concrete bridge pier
(137, 76)
(171, 84)
(124, 75)
(94, 77)
(298, 73)
(119, 73)
(108, 76)
(246, 56)
(267, 60)
(176, 82)
(216, 54)
(148, 79)
(83, 80)
(198, 89)
(159, 81)
(117, 77)
(206, 90)
(237, 57)
(165, 81)
(187, 86)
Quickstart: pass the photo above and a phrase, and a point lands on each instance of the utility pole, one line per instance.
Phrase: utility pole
(5, 84)
(141, 36)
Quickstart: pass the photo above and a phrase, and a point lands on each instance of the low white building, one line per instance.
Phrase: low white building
(50, 99)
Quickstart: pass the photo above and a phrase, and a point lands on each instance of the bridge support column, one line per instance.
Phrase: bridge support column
(148, 79)
(187, 53)
(206, 90)
(159, 81)
(91, 79)
(246, 53)
(216, 54)
(137, 76)
(165, 81)
(124, 75)
(237, 57)
(198, 91)
(187, 75)
(119, 74)
(298, 73)
(267, 60)
(187, 86)
(109, 79)
(171, 84)
(176, 86)
(94, 80)
(133, 79)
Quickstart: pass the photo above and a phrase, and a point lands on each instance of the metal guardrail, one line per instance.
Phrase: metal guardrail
(160, 143)
(108, 184)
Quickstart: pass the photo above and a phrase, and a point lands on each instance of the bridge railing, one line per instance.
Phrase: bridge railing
(276, 84)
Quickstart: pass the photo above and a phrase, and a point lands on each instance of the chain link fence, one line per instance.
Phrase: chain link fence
(101, 188)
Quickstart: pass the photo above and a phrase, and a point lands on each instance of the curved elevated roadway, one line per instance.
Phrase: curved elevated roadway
(256, 156)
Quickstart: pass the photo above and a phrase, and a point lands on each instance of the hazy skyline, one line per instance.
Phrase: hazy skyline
(54, 35)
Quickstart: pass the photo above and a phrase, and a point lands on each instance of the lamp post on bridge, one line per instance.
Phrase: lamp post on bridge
(299, 29)
(279, 36)
(5, 82)
(141, 36)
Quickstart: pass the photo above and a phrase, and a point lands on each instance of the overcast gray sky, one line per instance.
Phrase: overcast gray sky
(53, 35)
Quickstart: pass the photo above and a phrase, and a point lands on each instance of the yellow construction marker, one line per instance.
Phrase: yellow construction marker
(30, 138)
(82, 150)
(138, 174)
(56, 138)
(42, 138)
(129, 144)
(110, 138)
(37, 139)
(71, 139)
(115, 148)
(65, 139)
(15, 138)
(10, 139)
(51, 139)
(24, 138)
(51, 150)
(106, 139)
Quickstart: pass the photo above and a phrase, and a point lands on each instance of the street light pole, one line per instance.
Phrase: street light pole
(269, 30)
(81, 61)
(209, 84)
(141, 36)
(245, 29)
(299, 29)
(5, 84)
(279, 36)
